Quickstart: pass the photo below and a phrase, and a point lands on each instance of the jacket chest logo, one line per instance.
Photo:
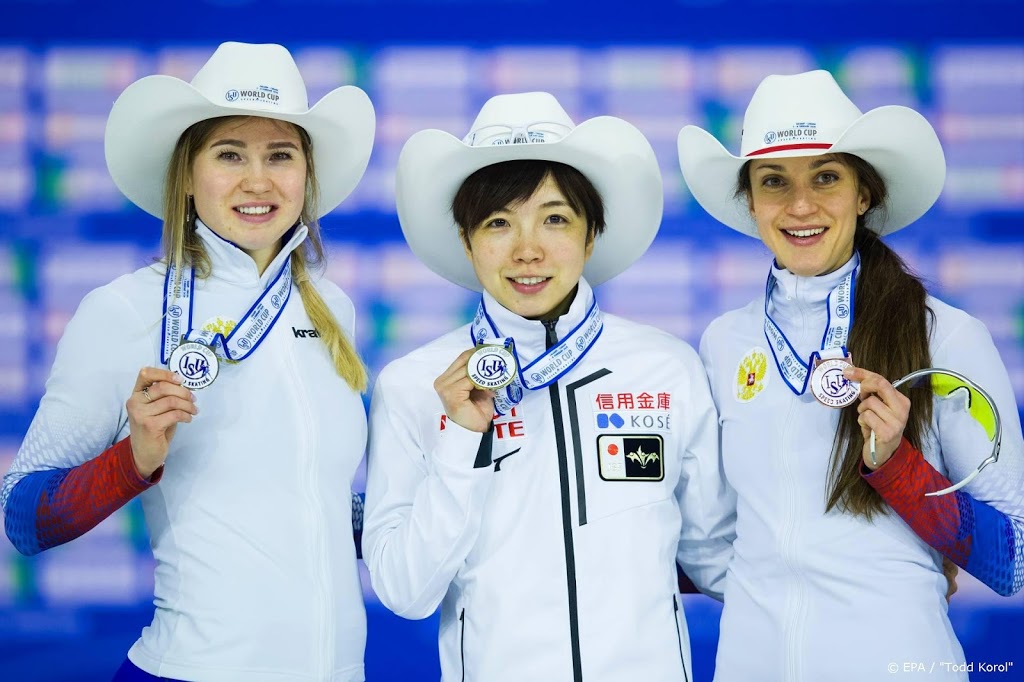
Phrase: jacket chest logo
(634, 457)
(643, 411)
(751, 375)
(222, 326)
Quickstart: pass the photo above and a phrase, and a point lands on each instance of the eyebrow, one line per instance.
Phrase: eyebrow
(547, 204)
(556, 202)
(228, 142)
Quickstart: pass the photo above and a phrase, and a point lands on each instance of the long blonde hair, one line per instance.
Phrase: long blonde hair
(182, 246)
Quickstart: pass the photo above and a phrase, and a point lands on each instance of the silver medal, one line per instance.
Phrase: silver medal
(491, 366)
(829, 385)
(196, 363)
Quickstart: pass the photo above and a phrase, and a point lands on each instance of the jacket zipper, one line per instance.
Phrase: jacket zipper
(551, 339)
(794, 601)
(462, 642)
(679, 638)
(322, 583)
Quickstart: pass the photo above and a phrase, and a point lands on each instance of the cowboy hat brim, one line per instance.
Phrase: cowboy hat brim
(897, 141)
(151, 114)
(613, 155)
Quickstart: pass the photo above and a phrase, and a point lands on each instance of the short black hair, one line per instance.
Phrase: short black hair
(500, 185)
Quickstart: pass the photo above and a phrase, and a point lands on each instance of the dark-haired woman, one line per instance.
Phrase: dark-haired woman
(546, 516)
(836, 573)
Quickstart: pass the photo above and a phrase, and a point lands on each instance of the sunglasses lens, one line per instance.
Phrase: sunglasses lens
(948, 387)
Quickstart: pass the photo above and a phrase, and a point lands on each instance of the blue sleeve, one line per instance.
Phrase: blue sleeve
(997, 550)
(22, 503)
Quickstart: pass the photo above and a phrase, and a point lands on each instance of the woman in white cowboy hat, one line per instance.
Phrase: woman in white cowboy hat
(837, 568)
(254, 580)
(545, 516)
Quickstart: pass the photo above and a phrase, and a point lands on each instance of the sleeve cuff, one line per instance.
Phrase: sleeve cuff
(129, 472)
(462, 448)
(905, 456)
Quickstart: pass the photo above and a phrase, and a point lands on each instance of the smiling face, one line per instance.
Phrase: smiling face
(806, 209)
(530, 255)
(248, 181)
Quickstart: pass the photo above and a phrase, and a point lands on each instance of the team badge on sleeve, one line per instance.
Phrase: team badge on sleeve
(631, 458)
(751, 375)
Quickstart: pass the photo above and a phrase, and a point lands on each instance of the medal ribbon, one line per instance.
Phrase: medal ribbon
(550, 366)
(246, 335)
(833, 342)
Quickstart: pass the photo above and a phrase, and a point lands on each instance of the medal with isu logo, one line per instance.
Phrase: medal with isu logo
(492, 366)
(828, 384)
(196, 363)
(824, 373)
(495, 365)
(195, 354)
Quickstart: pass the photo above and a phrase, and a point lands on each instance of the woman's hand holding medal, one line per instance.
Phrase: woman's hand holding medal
(884, 410)
(465, 404)
(158, 404)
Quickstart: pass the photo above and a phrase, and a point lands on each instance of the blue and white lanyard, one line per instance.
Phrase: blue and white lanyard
(833, 342)
(246, 335)
(550, 366)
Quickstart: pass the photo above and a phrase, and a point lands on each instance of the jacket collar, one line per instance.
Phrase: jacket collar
(530, 335)
(795, 290)
(230, 263)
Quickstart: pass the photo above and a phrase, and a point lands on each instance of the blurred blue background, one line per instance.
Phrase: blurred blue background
(72, 613)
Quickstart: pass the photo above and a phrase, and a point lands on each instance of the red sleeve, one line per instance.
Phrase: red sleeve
(902, 481)
(72, 504)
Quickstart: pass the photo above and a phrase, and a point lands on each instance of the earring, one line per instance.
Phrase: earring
(189, 213)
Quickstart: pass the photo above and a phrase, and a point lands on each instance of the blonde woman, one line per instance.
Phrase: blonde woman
(220, 385)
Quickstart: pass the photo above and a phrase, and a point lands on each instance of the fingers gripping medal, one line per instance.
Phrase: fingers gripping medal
(196, 363)
(492, 366)
(829, 385)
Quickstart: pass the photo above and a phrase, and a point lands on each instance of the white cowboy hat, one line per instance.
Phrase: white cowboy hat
(808, 115)
(238, 80)
(611, 153)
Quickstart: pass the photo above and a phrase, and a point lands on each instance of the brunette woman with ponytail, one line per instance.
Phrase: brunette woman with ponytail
(833, 539)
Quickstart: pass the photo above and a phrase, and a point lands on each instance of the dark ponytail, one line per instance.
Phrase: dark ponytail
(889, 337)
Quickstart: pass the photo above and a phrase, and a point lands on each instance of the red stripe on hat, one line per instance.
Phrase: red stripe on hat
(787, 147)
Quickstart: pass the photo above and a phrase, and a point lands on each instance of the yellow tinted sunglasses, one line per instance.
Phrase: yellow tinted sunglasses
(945, 383)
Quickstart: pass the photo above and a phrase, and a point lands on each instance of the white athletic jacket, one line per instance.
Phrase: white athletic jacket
(544, 569)
(832, 597)
(251, 523)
